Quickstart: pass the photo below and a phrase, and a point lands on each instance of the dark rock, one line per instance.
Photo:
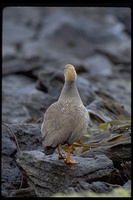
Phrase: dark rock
(106, 111)
(8, 143)
(126, 168)
(127, 184)
(9, 53)
(23, 192)
(13, 66)
(21, 66)
(98, 65)
(11, 175)
(86, 90)
(18, 92)
(100, 187)
(28, 137)
(118, 153)
(121, 152)
(121, 54)
(124, 15)
(19, 32)
(41, 169)
(73, 37)
(14, 139)
(95, 186)
(51, 81)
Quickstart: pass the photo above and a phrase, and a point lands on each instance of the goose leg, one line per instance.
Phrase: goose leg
(59, 153)
(67, 159)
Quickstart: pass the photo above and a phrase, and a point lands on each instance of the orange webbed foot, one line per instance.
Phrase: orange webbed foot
(71, 161)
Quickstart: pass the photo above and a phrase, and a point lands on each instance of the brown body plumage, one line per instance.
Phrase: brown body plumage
(66, 120)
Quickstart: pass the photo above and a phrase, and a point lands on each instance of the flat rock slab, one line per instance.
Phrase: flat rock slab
(48, 175)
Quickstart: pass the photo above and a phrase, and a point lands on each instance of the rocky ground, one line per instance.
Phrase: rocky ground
(37, 43)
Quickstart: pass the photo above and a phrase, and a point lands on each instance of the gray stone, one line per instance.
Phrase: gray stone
(98, 65)
(41, 169)
(123, 14)
(11, 175)
(118, 153)
(16, 138)
(127, 185)
(8, 144)
(28, 137)
(17, 92)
